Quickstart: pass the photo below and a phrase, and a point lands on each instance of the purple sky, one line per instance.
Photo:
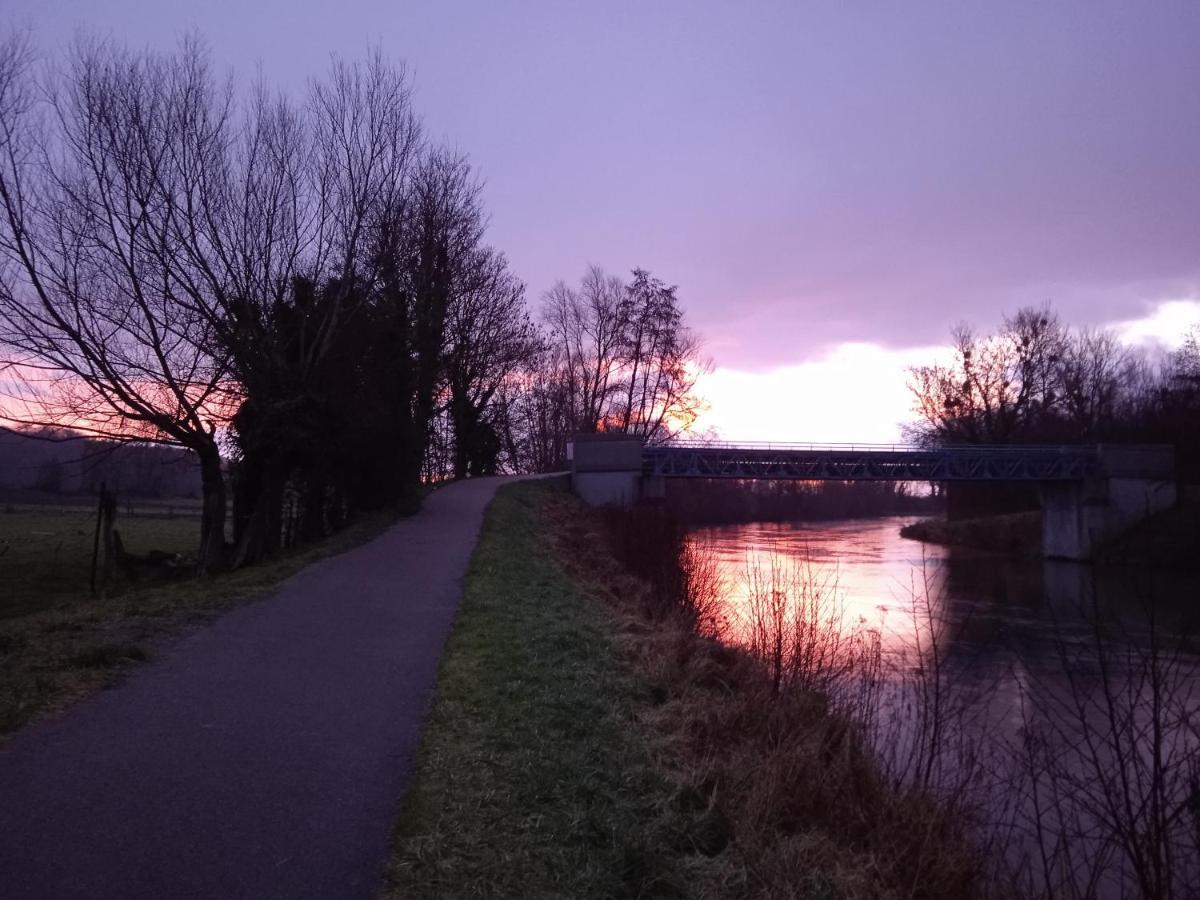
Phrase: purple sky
(809, 174)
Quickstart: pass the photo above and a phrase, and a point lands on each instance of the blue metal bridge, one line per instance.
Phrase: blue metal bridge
(869, 462)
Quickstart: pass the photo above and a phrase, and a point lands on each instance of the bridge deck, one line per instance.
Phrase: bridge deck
(867, 463)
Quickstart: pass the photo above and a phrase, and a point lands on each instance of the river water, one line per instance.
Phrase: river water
(1018, 640)
(992, 611)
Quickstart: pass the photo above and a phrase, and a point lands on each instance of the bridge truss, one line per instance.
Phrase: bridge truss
(870, 463)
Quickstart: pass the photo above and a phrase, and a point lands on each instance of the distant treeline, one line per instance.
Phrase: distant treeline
(716, 501)
(1038, 380)
(55, 461)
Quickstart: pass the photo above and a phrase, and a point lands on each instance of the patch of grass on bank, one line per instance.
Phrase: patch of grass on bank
(1014, 534)
(533, 780)
(80, 644)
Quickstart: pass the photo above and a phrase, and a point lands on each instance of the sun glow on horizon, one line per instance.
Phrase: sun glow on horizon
(858, 392)
(854, 393)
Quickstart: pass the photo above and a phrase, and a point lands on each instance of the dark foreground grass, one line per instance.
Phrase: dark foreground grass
(46, 553)
(79, 644)
(532, 780)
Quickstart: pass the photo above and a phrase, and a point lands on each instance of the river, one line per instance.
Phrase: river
(1017, 640)
(993, 610)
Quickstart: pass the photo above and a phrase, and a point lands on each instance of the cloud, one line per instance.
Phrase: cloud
(854, 393)
(857, 392)
(1165, 327)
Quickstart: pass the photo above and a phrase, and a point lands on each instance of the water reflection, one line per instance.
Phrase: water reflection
(989, 609)
(1030, 647)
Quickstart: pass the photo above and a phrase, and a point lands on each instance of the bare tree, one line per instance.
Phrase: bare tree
(89, 314)
(419, 254)
(296, 254)
(628, 362)
(1034, 380)
(1096, 373)
(587, 329)
(659, 364)
(489, 338)
(539, 413)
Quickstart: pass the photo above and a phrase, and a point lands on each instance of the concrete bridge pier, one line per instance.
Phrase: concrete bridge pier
(1130, 484)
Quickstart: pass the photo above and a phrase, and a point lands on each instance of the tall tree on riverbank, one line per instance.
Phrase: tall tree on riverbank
(658, 365)
(324, 183)
(490, 337)
(1034, 380)
(1037, 380)
(620, 358)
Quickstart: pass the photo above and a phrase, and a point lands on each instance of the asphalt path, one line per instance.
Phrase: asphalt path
(264, 755)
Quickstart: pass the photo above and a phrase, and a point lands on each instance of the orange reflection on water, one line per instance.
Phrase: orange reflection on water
(866, 575)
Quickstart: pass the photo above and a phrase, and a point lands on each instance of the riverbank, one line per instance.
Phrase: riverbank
(1013, 534)
(581, 746)
(1168, 540)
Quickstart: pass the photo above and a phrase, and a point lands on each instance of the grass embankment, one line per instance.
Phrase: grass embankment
(58, 643)
(532, 780)
(579, 748)
(1013, 534)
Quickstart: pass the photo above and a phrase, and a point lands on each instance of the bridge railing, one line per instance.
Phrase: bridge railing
(869, 462)
(825, 446)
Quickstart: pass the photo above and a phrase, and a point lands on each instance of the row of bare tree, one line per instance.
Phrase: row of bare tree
(298, 292)
(1036, 380)
(614, 356)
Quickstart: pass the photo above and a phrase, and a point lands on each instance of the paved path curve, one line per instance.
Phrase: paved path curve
(263, 756)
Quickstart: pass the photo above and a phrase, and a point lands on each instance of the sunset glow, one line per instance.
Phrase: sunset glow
(714, 450)
(853, 393)
(857, 392)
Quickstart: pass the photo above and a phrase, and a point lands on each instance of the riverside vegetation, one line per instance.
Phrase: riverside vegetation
(605, 726)
(593, 737)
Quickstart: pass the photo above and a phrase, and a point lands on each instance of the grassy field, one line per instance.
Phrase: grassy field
(532, 780)
(46, 552)
(58, 643)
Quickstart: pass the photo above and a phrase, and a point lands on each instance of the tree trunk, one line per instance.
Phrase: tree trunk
(212, 513)
(463, 419)
(312, 523)
(261, 536)
(108, 516)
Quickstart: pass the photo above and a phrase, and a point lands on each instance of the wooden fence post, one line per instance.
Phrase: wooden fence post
(106, 513)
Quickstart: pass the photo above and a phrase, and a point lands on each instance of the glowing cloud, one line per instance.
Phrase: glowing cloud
(1166, 326)
(858, 393)
(854, 393)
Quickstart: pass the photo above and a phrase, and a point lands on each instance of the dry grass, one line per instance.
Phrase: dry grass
(797, 803)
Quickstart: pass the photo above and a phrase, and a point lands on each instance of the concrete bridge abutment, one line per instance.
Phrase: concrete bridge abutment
(606, 469)
(1129, 485)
